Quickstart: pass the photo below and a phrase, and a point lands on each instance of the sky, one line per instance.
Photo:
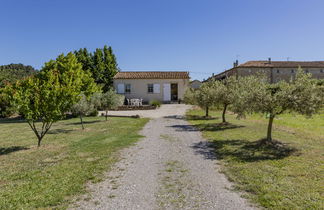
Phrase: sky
(199, 36)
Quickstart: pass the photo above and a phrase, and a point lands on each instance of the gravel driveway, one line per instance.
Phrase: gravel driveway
(173, 167)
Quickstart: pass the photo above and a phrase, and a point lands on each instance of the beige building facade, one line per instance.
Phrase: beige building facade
(275, 70)
(162, 86)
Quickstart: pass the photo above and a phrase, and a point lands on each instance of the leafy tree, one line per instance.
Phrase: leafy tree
(82, 107)
(111, 100)
(204, 97)
(301, 95)
(13, 72)
(44, 98)
(102, 64)
(225, 93)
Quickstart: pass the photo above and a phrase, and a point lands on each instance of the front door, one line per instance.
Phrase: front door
(174, 92)
(166, 92)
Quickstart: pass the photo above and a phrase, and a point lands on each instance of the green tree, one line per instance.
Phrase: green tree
(102, 64)
(225, 92)
(111, 100)
(82, 107)
(204, 97)
(301, 95)
(44, 98)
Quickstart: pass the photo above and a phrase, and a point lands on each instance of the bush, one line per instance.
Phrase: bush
(155, 103)
(94, 113)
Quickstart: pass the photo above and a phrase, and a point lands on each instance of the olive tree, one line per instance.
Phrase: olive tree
(82, 108)
(300, 95)
(111, 100)
(45, 97)
(204, 97)
(225, 93)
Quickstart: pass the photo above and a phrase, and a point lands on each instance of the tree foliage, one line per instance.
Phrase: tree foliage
(111, 100)
(225, 93)
(13, 72)
(102, 64)
(44, 98)
(82, 107)
(300, 95)
(204, 97)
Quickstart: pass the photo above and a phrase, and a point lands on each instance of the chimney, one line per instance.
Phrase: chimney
(269, 60)
(236, 63)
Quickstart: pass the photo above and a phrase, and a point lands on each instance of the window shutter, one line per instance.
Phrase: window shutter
(156, 88)
(121, 88)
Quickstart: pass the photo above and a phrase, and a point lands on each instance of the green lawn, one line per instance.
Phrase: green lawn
(49, 176)
(291, 177)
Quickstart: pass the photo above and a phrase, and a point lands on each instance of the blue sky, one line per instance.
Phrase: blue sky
(199, 36)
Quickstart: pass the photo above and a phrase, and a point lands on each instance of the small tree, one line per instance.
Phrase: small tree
(204, 97)
(82, 107)
(225, 92)
(45, 97)
(300, 95)
(111, 100)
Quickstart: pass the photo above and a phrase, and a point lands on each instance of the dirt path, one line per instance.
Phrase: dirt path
(171, 168)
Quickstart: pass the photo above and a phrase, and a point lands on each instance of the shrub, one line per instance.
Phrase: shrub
(155, 103)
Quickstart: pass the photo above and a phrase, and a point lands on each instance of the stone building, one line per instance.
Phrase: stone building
(274, 70)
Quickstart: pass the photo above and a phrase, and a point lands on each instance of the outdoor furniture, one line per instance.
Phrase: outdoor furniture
(135, 102)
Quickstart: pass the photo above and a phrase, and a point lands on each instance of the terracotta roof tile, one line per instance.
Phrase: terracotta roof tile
(152, 75)
(284, 64)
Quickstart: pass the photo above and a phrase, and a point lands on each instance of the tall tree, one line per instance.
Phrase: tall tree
(102, 64)
(44, 98)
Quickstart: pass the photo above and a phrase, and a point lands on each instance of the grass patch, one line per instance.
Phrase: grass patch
(288, 175)
(49, 176)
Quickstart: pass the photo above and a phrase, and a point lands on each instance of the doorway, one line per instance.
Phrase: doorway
(174, 91)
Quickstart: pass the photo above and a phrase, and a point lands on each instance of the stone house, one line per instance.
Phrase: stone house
(152, 85)
(274, 70)
(195, 84)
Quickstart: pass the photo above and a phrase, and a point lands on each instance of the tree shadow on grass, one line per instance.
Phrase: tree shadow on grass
(85, 122)
(217, 126)
(7, 150)
(246, 151)
(199, 117)
(12, 120)
(57, 131)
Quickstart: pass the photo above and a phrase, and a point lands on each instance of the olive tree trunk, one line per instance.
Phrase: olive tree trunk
(224, 112)
(207, 111)
(269, 133)
(81, 121)
(106, 115)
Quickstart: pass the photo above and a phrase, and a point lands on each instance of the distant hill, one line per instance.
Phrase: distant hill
(13, 72)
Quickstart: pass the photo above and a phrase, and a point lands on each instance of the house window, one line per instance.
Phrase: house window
(321, 71)
(278, 71)
(150, 88)
(307, 71)
(127, 88)
(292, 71)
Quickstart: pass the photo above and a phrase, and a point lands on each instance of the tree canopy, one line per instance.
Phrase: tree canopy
(13, 72)
(101, 63)
(45, 97)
